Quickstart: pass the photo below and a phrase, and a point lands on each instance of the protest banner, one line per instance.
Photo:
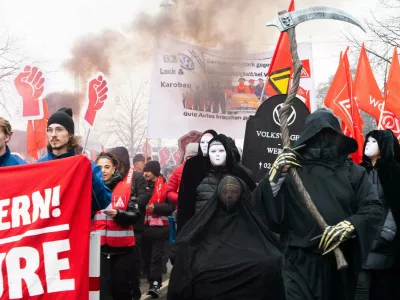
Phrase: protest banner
(199, 88)
(44, 230)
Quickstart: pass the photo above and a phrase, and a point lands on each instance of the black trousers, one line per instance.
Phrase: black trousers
(376, 285)
(154, 239)
(116, 276)
(137, 257)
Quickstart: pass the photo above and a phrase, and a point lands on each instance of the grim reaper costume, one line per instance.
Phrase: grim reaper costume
(344, 197)
(226, 252)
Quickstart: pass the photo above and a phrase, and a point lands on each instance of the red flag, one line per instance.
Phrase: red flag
(340, 99)
(304, 95)
(281, 63)
(392, 97)
(45, 230)
(36, 138)
(365, 90)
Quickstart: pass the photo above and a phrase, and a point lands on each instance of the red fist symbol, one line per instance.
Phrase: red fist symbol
(164, 155)
(177, 157)
(30, 85)
(97, 94)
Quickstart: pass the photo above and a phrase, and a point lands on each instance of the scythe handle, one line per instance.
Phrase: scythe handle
(284, 115)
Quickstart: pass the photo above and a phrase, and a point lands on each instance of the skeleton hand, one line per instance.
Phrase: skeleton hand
(286, 159)
(333, 236)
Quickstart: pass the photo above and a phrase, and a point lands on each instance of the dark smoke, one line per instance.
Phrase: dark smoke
(58, 100)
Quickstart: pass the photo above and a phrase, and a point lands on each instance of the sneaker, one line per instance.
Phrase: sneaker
(154, 290)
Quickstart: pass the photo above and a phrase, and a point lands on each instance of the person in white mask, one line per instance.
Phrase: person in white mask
(379, 276)
(195, 169)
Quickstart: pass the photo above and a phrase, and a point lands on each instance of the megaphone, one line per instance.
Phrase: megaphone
(166, 3)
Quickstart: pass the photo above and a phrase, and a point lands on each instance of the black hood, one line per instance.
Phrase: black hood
(324, 119)
(210, 131)
(232, 151)
(387, 142)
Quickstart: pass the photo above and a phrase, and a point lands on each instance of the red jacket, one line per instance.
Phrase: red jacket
(173, 184)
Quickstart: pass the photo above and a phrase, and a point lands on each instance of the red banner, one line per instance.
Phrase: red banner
(44, 230)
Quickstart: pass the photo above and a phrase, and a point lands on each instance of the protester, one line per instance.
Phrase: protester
(241, 88)
(156, 227)
(252, 87)
(226, 252)
(117, 264)
(138, 163)
(193, 173)
(176, 176)
(61, 143)
(224, 159)
(379, 276)
(141, 195)
(6, 158)
(345, 199)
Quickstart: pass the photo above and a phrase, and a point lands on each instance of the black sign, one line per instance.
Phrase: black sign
(262, 140)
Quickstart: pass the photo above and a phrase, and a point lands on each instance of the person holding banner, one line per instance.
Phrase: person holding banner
(62, 143)
(6, 158)
(118, 251)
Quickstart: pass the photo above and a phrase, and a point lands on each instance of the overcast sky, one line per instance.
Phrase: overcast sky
(46, 30)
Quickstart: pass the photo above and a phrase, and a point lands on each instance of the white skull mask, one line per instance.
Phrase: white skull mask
(371, 147)
(217, 154)
(205, 139)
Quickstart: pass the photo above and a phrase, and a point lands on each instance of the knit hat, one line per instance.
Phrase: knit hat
(138, 157)
(63, 116)
(153, 167)
(191, 150)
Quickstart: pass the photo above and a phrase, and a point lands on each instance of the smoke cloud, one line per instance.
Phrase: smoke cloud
(57, 100)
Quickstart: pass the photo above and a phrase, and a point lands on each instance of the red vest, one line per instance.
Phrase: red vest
(112, 234)
(159, 196)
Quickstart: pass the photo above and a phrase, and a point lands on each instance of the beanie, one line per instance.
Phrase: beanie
(138, 157)
(63, 116)
(153, 167)
(191, 150)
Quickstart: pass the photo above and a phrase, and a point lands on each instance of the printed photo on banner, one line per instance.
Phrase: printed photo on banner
(201, 88)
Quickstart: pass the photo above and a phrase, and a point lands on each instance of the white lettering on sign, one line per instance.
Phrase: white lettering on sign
(22, 264)
(41, 207)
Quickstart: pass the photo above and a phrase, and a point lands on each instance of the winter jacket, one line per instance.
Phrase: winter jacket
(162, 209)
(101, 194)
(7, 159)
(174, 183)
(123, 218)
(142, 193)
(207, 188)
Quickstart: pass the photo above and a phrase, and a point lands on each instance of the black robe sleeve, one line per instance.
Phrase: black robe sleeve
(369, 210)
(271, 209)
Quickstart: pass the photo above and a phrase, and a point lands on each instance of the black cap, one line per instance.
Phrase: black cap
(138, 157)
(153, 167)
(63, 116)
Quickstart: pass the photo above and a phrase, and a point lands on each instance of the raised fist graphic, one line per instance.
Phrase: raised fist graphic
(30, 85)
(164, 154)
(97, 94)
(191, 137)
(177, 157)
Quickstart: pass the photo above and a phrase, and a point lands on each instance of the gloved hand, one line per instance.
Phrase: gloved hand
(286, 158)
(333, 236)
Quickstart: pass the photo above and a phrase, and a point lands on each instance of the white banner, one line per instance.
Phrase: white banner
(195, 88)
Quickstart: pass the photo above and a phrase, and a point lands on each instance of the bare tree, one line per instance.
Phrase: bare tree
(128, 124)
(10, 61)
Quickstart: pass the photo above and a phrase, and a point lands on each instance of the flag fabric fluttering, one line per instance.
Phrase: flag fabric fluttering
(365, 89)
(340, 99)
(392, 94)
(36, 138)
(281, 63)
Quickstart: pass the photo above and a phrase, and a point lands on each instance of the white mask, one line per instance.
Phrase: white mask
(217, 155)
(371, 148)
(205, 139)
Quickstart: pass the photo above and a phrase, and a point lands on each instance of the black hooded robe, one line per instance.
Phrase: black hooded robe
(227, 256)
(341, 191)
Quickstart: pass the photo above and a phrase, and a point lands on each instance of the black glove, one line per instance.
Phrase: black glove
(286, 158)
(333, 236)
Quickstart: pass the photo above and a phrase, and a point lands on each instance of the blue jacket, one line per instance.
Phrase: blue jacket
(7, 159)
(101, 195)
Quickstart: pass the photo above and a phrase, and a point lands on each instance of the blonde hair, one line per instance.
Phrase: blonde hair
(5, 126)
